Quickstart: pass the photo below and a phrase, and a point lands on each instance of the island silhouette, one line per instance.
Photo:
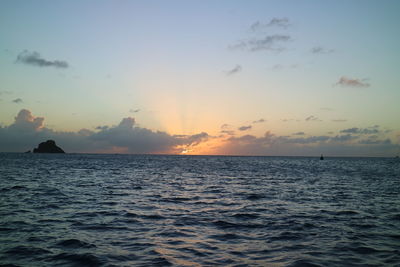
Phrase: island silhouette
(48, 147)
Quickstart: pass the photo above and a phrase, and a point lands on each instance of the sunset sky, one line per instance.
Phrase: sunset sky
(201, 77)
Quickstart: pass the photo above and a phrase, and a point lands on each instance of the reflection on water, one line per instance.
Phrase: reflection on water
(123, 210)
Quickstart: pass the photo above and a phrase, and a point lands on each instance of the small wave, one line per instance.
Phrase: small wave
(364, 250)
(254, 197)
(22, 251)
(246, 215)
(346, 212)
(137, 187)
(18, 187)
(86, 259)
(152, 217)
(130, 214)
(174, 242)
(100, 227)
(174, 234)
(122, 258)
(75, 243)
(287, 236)
(227, 225)
(225, 237)
(395, 217)
(224, 224)
(15, 187)
(303, 263)
(394, 236)
(159, 261)
(176, 199)
(194, 252)
(362, 226)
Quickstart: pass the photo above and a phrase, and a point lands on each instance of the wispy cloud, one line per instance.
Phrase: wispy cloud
(134, 110)
(321, 50)
(259, 121)
(245, 128)
(235, 70)
(17, 101)
(267, 43)
(263, 41)
(369, 130)
(312, 118)
(228, 132)
(350, 82)
(225, 126)
(274, 22)
(34, 59)
(299, 133)
(102, 127)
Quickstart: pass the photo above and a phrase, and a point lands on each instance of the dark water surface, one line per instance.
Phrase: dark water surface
(127, 210)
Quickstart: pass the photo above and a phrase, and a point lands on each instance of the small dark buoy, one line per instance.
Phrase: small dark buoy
(322, 157)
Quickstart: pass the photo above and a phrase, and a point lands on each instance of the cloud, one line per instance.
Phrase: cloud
(348, 82)
(27, 131)
(369, 130)
(228, 132)
(312, 118)
(100, 127)
(34, 59)
(267, 43)
(245, 128)
(17, 101)
(259, 121)
(225, 126)
(373, 141)
(134, 110)
(235, 70)
(26, 122)
(274, 22)
(339, 145)
(343, 138)
(321, 50)
(288, 120)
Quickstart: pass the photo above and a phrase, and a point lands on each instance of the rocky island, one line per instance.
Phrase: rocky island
(48, 147)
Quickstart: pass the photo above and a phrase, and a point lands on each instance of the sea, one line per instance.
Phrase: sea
(166, 210)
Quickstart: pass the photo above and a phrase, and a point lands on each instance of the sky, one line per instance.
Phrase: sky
(294, 78)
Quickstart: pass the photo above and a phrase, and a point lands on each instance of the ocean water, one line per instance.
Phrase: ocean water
(139, 210)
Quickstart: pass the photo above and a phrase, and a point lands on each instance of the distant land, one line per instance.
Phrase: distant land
(48, 147)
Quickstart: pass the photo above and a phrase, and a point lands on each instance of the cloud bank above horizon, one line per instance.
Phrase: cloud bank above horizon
(27, 131)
